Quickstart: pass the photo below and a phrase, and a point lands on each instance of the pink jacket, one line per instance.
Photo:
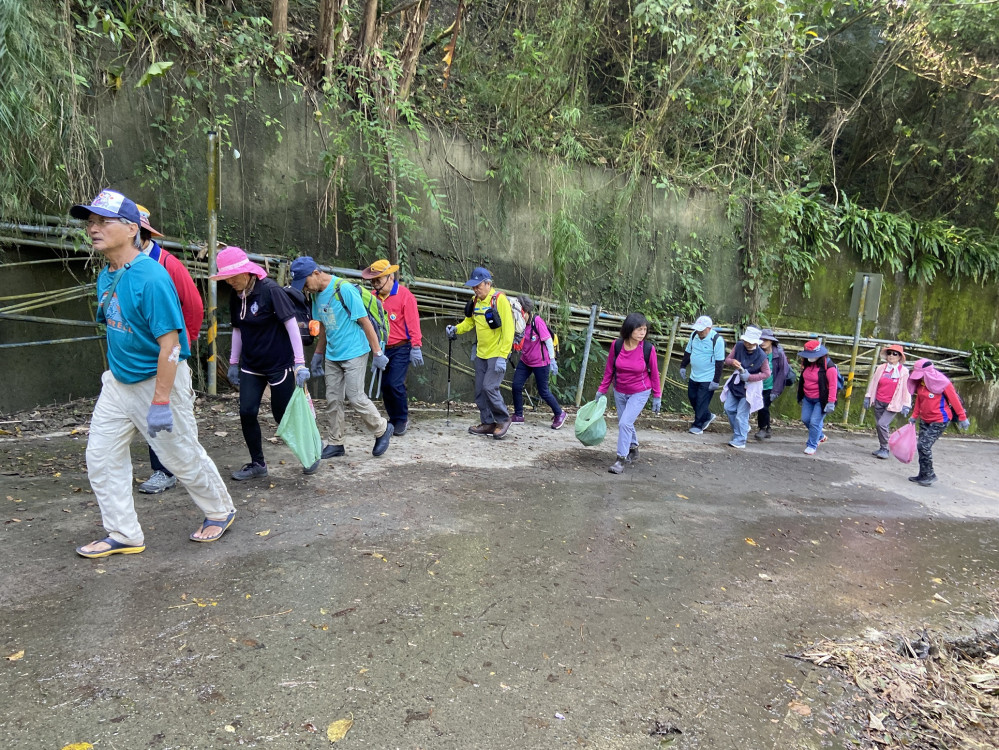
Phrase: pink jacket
(901, 399)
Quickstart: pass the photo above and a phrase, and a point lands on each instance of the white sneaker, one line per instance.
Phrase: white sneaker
(695, 430)
(711, 419)
(809, 450)
(157, 483)
(734, 444)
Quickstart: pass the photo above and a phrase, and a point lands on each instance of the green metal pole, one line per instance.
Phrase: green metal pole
(586, 353)
(669, 353)
(870, 376)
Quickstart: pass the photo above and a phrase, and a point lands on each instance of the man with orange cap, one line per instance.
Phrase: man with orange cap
(193, 309)
(405, 341)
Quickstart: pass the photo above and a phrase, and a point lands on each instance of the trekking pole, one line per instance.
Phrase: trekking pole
(449, 344)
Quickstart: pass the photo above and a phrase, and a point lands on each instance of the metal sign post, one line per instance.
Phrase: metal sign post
(866, 296)
(213, 291)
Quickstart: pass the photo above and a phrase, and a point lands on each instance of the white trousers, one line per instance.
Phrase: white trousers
(119, 415)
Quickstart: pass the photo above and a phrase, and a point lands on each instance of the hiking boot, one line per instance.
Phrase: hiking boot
(927, 481)
(695, 431)
(518, 418)
(157, 483)
(501, 428)
(482, 429)
(618, 466)
(763, 434)
(310, 470)
(400, 429)
(809, 450)
(632, 454)
(382, 441)
(881, 453)
(250, 471)
(333, 451)
(559, 420)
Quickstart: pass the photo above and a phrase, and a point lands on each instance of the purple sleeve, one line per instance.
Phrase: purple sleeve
(543, 333)
(295, 336)
(763, 374)
(608, 372)
(657, 389)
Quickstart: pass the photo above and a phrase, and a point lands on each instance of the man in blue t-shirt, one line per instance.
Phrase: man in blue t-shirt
(148, 387)
(346, 336)
(704, 354)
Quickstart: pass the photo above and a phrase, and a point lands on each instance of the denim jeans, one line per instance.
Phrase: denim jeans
(629, 406)
(520, 376)
(813, 417)
(737, 411)
(700, 398)
(394, 395)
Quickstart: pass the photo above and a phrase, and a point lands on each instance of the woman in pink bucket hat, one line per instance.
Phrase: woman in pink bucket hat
(266, 350)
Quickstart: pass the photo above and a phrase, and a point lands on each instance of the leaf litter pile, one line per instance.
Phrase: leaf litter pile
(923, 692)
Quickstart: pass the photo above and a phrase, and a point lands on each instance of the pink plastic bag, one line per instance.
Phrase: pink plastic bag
(902, 442)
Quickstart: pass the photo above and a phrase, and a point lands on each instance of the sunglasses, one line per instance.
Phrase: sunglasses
(892, 354)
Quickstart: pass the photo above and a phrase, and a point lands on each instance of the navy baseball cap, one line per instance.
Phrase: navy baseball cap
(109, 204)
(301, 269)
(479, 275)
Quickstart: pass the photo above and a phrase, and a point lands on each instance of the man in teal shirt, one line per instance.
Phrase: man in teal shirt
(704, 354)
(346, 336)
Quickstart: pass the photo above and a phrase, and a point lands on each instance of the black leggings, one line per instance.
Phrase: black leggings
(251, 392)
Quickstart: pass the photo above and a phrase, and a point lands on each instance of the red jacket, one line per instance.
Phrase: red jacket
(937, 408)
(191, 304)
(404, 317)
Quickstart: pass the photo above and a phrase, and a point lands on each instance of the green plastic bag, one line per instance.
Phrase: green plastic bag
(298, 428)
(591, 428)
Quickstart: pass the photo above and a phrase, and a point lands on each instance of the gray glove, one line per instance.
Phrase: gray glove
(657, 404)
(829, 408)
(867, 402)
(905, 411)
(318, 367)
(471, 357)
(500, 365)
(302, 375)
(713, 386)
(743, 374)
(233, 375)
(416, 357)
(553, 368)
(380, 362)
(158, 419)
(912, 420)
(963, 425)
(683, 373)
(451, 332)
(598, 395)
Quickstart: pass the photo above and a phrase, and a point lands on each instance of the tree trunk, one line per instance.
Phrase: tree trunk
(411, 45)
(279, 24)
(331, 36)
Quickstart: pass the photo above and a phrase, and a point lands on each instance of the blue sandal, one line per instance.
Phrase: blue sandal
(114, 548)
(223, 524)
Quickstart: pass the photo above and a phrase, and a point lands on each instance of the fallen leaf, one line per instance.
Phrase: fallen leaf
(937, 580)
(265, 532)
(221, 433)
(940, 599)
(799, 708)
(879, 530)
(230, 728)
(985, 677)
(682, 497)
(338, 729)
(79, 746)
(16, 656)
(765, 577)
(875, 721)
(750, 540)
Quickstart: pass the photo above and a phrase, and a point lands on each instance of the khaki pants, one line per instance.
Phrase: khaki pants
(120, 414)
(345, 380)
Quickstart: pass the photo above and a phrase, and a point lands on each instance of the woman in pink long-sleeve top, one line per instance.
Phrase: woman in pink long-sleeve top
(633, 370)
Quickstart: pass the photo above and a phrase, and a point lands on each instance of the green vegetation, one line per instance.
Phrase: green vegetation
(850, 123)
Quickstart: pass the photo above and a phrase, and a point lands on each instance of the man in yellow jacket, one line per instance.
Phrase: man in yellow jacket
(490, 314)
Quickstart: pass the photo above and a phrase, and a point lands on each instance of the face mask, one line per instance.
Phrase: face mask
(812, 359)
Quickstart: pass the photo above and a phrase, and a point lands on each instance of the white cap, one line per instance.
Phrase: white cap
(752, 335)
(702, 322)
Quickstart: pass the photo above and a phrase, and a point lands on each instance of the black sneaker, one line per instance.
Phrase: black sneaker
(382, 442)
(927, 481)
(250, 471)
(310, 470)
(333, 451)
(918, 478)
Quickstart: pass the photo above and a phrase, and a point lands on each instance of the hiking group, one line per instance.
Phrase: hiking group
(153, 315)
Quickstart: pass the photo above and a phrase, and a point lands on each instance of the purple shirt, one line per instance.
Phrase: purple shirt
(630, 375)
(534, 353)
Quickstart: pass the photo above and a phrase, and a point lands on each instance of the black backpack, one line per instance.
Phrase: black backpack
(303, 313)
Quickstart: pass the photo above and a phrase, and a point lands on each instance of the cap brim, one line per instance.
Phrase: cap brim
(474, 282)
(153, 232)
(698, 329)
(83, 212)
(299, 284)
